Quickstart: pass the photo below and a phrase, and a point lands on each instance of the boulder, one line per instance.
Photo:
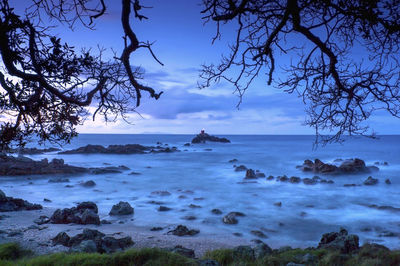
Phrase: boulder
(388, 182)
(164, 209)
(186, 252)
(250, 174)
(261, 250)
(240, 168)
(341, 241)
(182, 230)
(370, 181)
(216, 211)
(122, 208)
(84, 213)
(245, 253)
(61, 238)
(203, 137)
(294, 179)
(8, 204)
(230, 218)
(349, 166)
(89, 183)
(42, 220)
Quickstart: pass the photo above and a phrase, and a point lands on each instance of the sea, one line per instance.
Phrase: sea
(200, 178)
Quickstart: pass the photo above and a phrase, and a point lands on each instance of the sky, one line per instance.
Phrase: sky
(183, 43)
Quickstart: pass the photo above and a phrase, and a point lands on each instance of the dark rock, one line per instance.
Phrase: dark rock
(203, 137)
(189, 253)
(238, 234)
(84, 213)
(186, 144)
(193, 206)
(89, 183)
(163, 209)
(155, 202)
(309, 181)
(14, 166)
(270, 177)
(207, 262)
(230, 218)
(33, 151)
(105, 221)
(240, 168)
(384, 207)
(278, 204)
(261, 250)
(283, 178)
(61, 239)
(233, 161)
(352, 166)
(189, 218)
(388, 182)
(258, 233)
(260, 175)
(216, 211)
(156, 229)
(160, 193)
(349, 185)
(340, 241)
(294, 179)
(182, 230)
(134, 173)
(42, 220)
(8, 204)
(111, 244)
(370, 181)
(46, 200)
(86, 246)
(122, 208)
(108, 170)
(250, 174)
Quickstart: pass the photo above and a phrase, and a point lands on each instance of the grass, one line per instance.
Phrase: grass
(368, 255)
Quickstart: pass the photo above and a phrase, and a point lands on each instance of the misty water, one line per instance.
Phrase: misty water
(207, 179)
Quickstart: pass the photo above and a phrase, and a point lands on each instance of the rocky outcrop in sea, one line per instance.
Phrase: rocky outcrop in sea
(84, 213)
(204, 137)
(8, 204)
(349, 166)
(120, 149)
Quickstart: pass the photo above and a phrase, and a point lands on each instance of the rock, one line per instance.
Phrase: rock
(89, 183)
(283, 178)
(111, 244)
(160, 193)
(108, 170)
(250, 174)
(309, 181)
(352, 166)
(105, 221)
(84, 213)
(349, 185)
(233, 161)
(134, 173)
(156, 229)
(203, 137)
(245, 253)
(186, 252)
(384, 207)
(46, 200)
(189, 218)
(8, 204)
(270, 177)
(207, 262)
(230, 218)
(86, 246)
(340, 241)
(258, 233)
(58, 180)
(61, 239)
(370, 181)
(216, 211)
(33, 151)
(186, 144)
(240, 168)
(122, 208)
(388, 182)
(194, 206)
(278, 204)
(260, 175)
(182, 230)
(163, 209)
(294, 179)
(15, 166)
(261, 250)
(42, 220)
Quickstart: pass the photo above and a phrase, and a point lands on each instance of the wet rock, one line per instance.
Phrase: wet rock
(370, 181)
(278, 204)
(186, 252)
(238, 234)
(260, 175)
(164, 209)
(388, 182)
(216, 211)
(15, 166)
(270, 177)
(89, 183)
(384, 207)
(155, 202)
(122, 208)
(204, 137)
(200, 198)
(349, 185)
(42, 220)
(182, 230)
(134, 173)
(119, 149)
(46, 200)
(194, 206)
(157, 228)
(258, 233)
(240, 168)
(250, 174)
(233, 161)
(294, 179)
(309, 181)
(61, 238)
(189, 218)
(8, 204)
(186, 144)
(340, 241)
(230, 218)
(283, 178)
(33, 151)
(58, 180)
(160, 193)
(352, 166)
(261, 250)
(86, 246)
(105, 222)
(84, 213)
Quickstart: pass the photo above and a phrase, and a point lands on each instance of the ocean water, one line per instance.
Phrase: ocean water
(207, 179)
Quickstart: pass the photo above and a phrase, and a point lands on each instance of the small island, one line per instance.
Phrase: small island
(203, 137)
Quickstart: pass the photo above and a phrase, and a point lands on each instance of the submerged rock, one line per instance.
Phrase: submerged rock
(250, 174)
(370, 181)
(203, 137)
(119, 149)
(8, 204)
(122, 208)
(230, 218)
(240, 168)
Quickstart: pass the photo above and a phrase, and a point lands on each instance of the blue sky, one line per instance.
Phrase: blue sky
(183, 43)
